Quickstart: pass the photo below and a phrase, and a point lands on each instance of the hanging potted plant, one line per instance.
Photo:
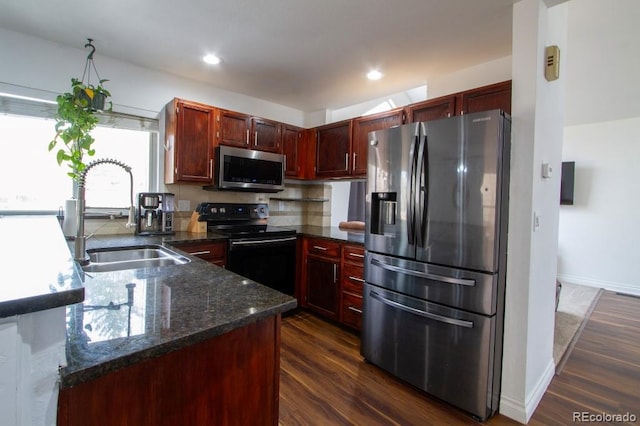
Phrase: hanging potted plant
(76, 119)
(94, 98)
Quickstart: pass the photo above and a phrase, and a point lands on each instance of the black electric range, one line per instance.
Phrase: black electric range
(263, 253)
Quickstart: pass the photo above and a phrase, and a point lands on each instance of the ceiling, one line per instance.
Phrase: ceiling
(305, 54)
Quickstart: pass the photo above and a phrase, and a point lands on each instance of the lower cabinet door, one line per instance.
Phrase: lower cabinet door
(322, 286)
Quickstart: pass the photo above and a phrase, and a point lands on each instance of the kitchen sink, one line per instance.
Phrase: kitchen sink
(121, 258)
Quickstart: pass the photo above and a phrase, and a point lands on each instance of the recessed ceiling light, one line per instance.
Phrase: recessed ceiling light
(211, 59)
(374, 75)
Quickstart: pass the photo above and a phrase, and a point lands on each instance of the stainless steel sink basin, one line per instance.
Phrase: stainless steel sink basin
(121, 258)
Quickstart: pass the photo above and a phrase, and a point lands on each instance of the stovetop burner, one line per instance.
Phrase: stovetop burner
(240, 220)
(246, 231)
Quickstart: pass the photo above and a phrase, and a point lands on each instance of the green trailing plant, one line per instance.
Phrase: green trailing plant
(75, 120)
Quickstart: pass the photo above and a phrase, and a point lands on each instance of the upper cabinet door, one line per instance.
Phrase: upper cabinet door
(432, 109)
(266, 135)
(494, 96)
(361, 128)
(234, 128)
(291, 147)
(333, 150)
(189, 130)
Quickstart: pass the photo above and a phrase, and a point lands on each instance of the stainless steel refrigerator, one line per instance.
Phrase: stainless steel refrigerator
(436, 236)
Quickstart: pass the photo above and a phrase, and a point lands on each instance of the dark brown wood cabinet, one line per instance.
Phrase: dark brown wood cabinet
(333, 150)
(266, 134)
(233, 128)
(293, 150)
(321, 276)
(332, 279)
(188, 143)
(360, 139)
(212, 251)
(245, 131)
(352, 283)
(432, 109)
(493, 96)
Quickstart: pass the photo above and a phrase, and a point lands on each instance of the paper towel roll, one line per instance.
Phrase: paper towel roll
(70, 218)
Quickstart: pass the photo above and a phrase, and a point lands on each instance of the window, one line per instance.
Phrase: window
(32, 181)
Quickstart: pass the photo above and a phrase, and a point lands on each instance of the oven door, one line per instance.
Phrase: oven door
(270, 261)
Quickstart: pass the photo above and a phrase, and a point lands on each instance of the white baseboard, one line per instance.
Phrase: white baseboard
(607, 285)
(521, 411)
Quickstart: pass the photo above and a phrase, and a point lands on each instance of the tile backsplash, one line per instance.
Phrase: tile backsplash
(299, 204)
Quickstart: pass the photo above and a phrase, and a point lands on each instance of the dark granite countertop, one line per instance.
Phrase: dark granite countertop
(172, 307)
(333, 232)
(38, 271)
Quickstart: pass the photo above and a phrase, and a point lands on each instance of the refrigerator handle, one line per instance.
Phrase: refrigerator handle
(435, 277)
(423, 186)
(441, 318)
(411, 199)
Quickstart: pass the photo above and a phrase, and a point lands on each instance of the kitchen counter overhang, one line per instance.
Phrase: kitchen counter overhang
(37, 273)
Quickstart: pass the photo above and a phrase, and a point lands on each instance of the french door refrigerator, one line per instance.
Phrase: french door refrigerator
(436, 233)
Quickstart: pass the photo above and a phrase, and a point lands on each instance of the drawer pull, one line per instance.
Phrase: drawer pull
(356, 255)
(320, 248)
(356, 310)
(198, 253)
(356, 279)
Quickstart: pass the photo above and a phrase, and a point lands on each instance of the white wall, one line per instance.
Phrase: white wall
(603, 61)
(537, 123)
(469, 78)
(599, 234)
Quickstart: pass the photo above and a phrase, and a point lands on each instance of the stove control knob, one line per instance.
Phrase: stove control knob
(222, 210)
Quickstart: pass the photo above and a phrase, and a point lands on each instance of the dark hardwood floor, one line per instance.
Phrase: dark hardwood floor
(324, 380)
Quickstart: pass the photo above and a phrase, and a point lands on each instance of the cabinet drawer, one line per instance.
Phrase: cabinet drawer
(323, 247)
(352, 278)
(352, 310)
(353, 253)
(209, 251)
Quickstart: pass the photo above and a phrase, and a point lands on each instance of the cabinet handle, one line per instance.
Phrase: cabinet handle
(320, 248)
(356, 310)
(255, 138)
(247, 138)
(346, 161)
(356, 279)
(211, 168)
(197, 253)
(335, 273)
(355, 155)
(356, 255)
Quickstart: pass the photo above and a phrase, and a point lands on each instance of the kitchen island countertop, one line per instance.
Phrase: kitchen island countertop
(170, 307)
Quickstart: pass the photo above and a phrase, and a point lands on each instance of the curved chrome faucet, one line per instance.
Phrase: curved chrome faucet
(80, 253)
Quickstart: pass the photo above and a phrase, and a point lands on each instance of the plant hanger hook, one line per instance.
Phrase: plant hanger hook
(93, 48)
(90, 64)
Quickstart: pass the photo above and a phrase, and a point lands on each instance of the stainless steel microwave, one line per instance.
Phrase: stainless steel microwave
(239, 169)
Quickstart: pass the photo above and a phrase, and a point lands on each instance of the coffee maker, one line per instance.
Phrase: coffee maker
(155, 213)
